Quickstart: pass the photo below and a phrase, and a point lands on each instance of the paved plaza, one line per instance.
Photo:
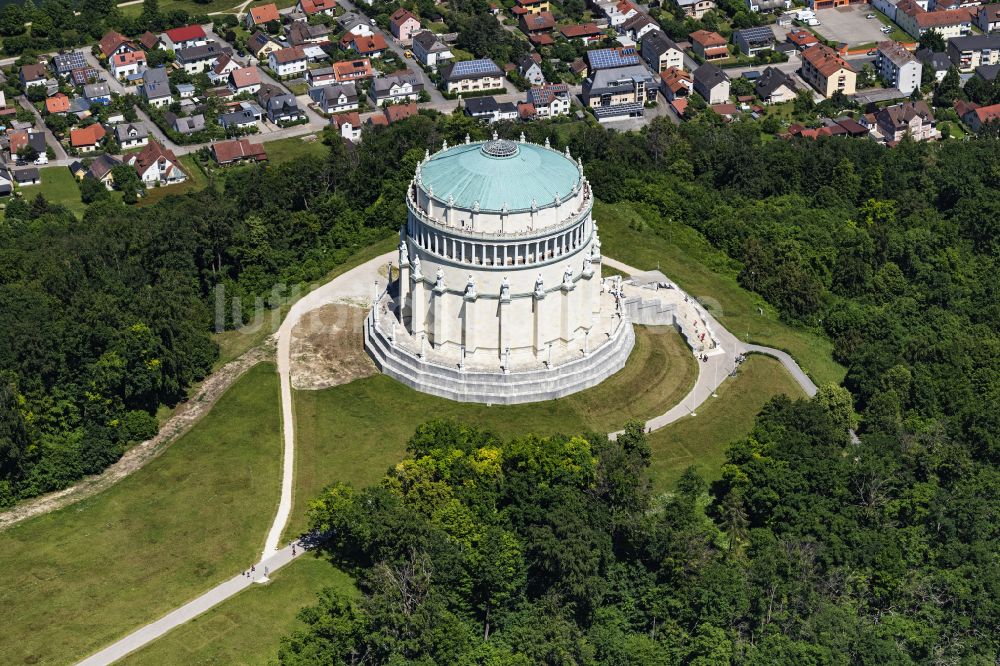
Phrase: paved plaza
(848, 24)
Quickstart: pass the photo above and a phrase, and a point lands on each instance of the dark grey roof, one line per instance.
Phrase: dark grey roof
(616, 79)
(37, 141)
(237, 117)
(384, 83)
(330, 94)
(130, 131)
(155, 83)
(470, 69)
(709, 76)
(429, 42)
(481, 106)
(938, 61)
(208, 51)
(770, 80)
(64, 63)
(988, 72)
(975, 42)
(102, 165)
(26, 174)
(759, 35)
(658, 42)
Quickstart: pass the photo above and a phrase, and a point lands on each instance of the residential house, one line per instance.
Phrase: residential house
(617, 11)
(131, 135)
(988, 18)
(892, 123)
(988, 72)
(939, 63)
(84, 75)
(97, 93)
(77, 169)
(6, 182)
(675, 83)
(198, 59)
(57, 104)
(695, 9)
(968, 53)
(397, 87)
(826, 71)
(977, 117)
(247, 115)
(156, 87)
(621, 92)
(774, 86)
(149, 41)
(317, 7)
(526, 111)
(764, 6)
(404, 24)
(711, 83)
(709, 45)
(638, 27)
(320, 76)
(301, 34)
(123, 65)
(352, 70)
(550, 100)
(279, 106)
(64, 63)
(430, 51)
(157, 165)
(372, 46)
(27, 176)
(897, 67)
(33, 75)
(18, 139)
(244, 80)
(185, 124)
(236, 151)
(187, 37)
(223, 67)
(488, 109)
(471, 76)
(261, 45)
(660, 52)
(101, 169)
(916, 20)
(262, 15)
(588, 33)
(613, 58)
(538, 27)
(356, 24)
(802, 39)
(348, 125)
(531, 69)
(397, 112)
(531, 6)
(335, 98)
(87, 139)
(753, 41)
(288, 62)
(113, 43)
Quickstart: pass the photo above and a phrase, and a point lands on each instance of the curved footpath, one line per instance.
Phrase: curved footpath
(358, 286)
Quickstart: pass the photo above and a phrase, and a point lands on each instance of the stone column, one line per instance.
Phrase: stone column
(538, 336)
(418, 306)
(567, 318)
(404, 279)
(469, 317)
(503, 313)
(439, 311)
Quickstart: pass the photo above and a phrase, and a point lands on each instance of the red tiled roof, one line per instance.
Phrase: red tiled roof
(988, 114)
(245, 76)
(350, 70)
(526, 110)
(400, 111)
(825, 60)
(238, 149)
(539, 21)
(352, 118)
(58, 103)
(801, 38)
(365, 45)
(265, 14)
(543, 39)
(185, 33)
(18, 140)
(944, 18)
(110, 42)
(87, 136)
(315, 6)
(707, 39)
(378, 120)
(151, 154)
(128, 58)
(400, 16)
(149, 40)
(580, 30)
(291, 54)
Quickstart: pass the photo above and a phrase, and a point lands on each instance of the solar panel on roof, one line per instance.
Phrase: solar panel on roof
(474, 67)
(758, 34)
(608, 58)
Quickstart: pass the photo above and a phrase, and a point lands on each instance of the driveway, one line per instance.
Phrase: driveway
(50, 138)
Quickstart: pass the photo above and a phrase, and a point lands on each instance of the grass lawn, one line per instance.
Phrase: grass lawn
(292, 148)
(196, 180)
(357, 431)
(77, 579)
(707, 274)
(246, 629)
(59, 187)
(702, 440)
(233, 344)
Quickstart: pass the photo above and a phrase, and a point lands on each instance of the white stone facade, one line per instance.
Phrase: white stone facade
(484, 292)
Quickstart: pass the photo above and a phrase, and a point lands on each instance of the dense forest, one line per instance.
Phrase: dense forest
(809, 550)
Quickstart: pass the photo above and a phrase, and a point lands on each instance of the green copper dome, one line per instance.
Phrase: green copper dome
(498, 173)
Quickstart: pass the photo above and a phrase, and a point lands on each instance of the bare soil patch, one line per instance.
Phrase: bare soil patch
(327, 347)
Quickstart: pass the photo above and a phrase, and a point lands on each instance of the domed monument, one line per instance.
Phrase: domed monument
(499, 296)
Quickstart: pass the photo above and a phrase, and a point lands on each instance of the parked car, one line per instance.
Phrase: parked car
(885, 30)
(813, 21)
(870, 16)
(41, 159)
